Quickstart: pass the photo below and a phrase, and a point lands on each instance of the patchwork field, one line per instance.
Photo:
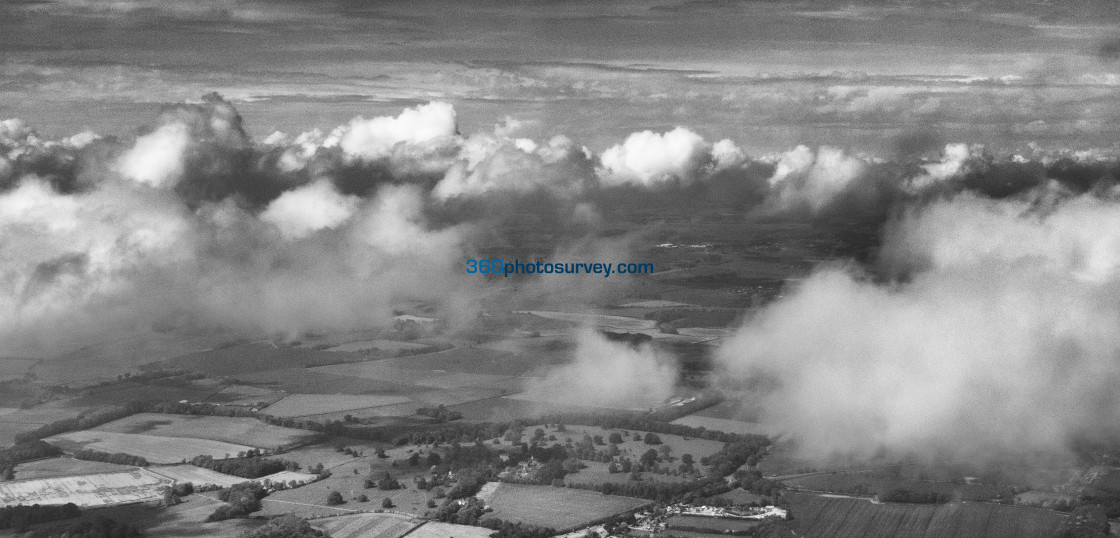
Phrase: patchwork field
(473, 360)
(382, 371)
(235, 430)
(558, 508)
(308, 381)
(369, 526)
(250, 357)
(150, 447)
(65, 466)
(876, 482)
(87, 491)
(857, 518)
(299, 405)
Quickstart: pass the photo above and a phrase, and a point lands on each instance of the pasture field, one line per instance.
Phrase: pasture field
(196, 475)
(186, 520)
(496, 410)
(729, 426)
(878, 482)
(678, 444)
(656, 303)
(472, 360)
(86, 491)
(715, 525)
(558, 508)
(621, 323)
(153, 448)
(309, 381)
(451, 397)
(842, 517)
(436, 529)
(379, 345)
(65, 466)
(246, 358)
(237, 430)
(109, 358)
(300, 405)
(741, 496)
(9, 431)
(379, 370)
(385, 525)
(288, 476)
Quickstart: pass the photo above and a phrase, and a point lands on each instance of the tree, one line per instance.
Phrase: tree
(334, 498)
(387, 503)
(380, 452)
(414, 459)
(431, 503)
(686, 459)
(362, 498)
(288, 526)
(652, 439)
(434, 459)
(615, 438)
(649, 458)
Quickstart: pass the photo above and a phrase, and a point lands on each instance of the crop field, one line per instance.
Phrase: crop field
(600, 320)
(289, 476)
(65, 466)
(451, 397)
(729, 426)
(196, 475)
(153, 448)
(384, 525)
(558, 508)
(435, 529)
(857, 518)
(714, 525)
(236, 430)
(497, 410)
(299, 405)
(87, 490)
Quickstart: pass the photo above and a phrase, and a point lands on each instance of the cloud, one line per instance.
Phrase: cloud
(374, 138)
(157, 158)
(803, 179)
(610, 374)
(1001, 338)
(310, 208)
(647, 158)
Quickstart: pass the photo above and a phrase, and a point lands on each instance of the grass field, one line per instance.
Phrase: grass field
(86, 490)
(601, 320)
(815, 515)
(299, 405)
(379, 370)
(236, 430)
(435, 529)
(186, 520)
(878, 482)
(472, 360)
(65, 466)
(370, 526)
(558, 508)
(379, 344)
(152, 448)
(196, 475)
(597, 473)
(251, 357)
(309, 381)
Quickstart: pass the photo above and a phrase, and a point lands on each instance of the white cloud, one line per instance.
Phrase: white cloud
(156, 159)
(374, 138)
(647, 158)
(310, 208)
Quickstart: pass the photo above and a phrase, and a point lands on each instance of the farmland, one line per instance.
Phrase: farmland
(858, 518)
(713, 525)
(65, 466)
(87, 490)
(435, 529)
(726, 425)
(238, 431)
(369, 525)
(152, 448)
(195, 475)
(299, 405)
(621, 323)
(557, 508)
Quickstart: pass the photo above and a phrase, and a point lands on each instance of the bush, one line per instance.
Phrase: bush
(334, 498)
(387, 503)
(288, 526)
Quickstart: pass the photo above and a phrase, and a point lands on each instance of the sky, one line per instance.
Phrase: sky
(869, 76)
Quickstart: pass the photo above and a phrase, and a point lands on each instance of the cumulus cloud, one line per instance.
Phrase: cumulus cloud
(803, 178)
(374, 138)
(157, 158)
(647, 158)
(307, 209)
(1000, 339)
